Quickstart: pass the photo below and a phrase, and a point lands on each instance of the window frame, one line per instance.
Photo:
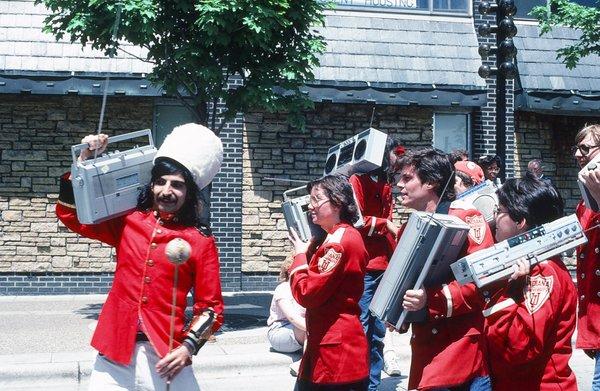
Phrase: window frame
(430, 11)
(468, 136)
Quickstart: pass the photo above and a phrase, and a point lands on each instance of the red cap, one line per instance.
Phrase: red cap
(471, 169)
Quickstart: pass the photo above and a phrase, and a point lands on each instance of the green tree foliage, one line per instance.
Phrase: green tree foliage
(197, 46)
(568, 14)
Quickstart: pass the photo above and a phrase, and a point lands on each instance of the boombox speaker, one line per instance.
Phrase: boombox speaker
(360, 154)
(109, 185)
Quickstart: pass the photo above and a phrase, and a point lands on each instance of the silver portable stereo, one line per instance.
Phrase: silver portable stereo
(429, 243)
(495, 263)
(588, 199)
(109, 185)
(296, 215)
(361, 153)
(483, 197)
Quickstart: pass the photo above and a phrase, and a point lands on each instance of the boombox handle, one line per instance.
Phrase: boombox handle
(295, 189)
(127, 136)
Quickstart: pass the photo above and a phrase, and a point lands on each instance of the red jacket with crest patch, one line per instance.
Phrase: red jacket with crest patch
(329, 286)
(142, 289)
(529, 325)
(588, 281)
(375, 201)
(449, 348)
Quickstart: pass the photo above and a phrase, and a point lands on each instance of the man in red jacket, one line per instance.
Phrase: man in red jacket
(133, 331)
(373, 193)
(447, 351)
(587, 147)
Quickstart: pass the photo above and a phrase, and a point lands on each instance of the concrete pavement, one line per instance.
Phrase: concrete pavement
(44, 344)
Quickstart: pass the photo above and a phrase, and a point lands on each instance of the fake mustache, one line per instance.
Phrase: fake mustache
(167, 198)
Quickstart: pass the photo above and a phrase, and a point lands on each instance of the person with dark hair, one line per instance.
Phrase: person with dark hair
(586, 149)
(530, 321)
(491, 165)
(458, 155)
(136, 346)
(448, 349)
(327, 280)
(373, 193)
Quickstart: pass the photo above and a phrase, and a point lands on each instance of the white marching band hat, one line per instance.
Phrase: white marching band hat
(196, 148)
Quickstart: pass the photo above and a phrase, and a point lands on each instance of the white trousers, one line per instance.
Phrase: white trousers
(140, 374)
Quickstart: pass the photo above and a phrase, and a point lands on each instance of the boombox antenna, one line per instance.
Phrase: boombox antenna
(286, 180)
(115, 28)
(372, 116)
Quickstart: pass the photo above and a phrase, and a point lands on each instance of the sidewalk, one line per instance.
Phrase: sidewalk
(44, 344)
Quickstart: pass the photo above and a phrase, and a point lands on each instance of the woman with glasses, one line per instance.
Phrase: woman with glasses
(587, 147)
(327, 279)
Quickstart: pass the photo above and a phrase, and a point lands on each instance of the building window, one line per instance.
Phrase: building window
(168, 115)
(451, 131)
(430, 6)
(524, 7)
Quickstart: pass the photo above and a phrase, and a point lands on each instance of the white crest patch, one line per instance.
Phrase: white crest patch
(537, 292)
(478, 228)
(329, 261)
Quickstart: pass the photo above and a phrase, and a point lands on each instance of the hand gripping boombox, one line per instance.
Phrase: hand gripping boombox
(109, 185)
(495, 263)
(429, 243)
(588, 199)
(483, 197)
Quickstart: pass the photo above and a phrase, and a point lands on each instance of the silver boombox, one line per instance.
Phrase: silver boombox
(495, 263)
(109, 185)
(296, 215)
(483, 197)
(361, 153)
(588, 199)
(429, 243)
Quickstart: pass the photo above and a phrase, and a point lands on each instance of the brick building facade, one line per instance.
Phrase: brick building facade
(414, 66)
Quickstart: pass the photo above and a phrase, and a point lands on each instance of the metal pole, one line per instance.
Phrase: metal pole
(500, 106)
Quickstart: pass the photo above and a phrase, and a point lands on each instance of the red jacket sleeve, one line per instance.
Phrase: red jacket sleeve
(373, 225)
(108, 231)
(312, 286)
(207, 285)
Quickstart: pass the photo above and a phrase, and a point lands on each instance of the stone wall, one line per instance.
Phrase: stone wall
(35, 138)
(273, 149)
(550, 137)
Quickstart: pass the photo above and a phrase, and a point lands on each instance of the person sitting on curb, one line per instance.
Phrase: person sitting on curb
(287, 327)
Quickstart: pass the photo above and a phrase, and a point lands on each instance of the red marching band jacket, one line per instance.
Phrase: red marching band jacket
(375, 202)
(449, 348)
(529, 325)
(329, 286)
(141, 294)
(588, 281)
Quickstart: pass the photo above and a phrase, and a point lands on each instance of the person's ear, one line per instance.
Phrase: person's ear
(522, 225)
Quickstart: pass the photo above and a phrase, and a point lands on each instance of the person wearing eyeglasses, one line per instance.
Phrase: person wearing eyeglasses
(448, 350)
(530, 320)
(328, 279)
(587, 147)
